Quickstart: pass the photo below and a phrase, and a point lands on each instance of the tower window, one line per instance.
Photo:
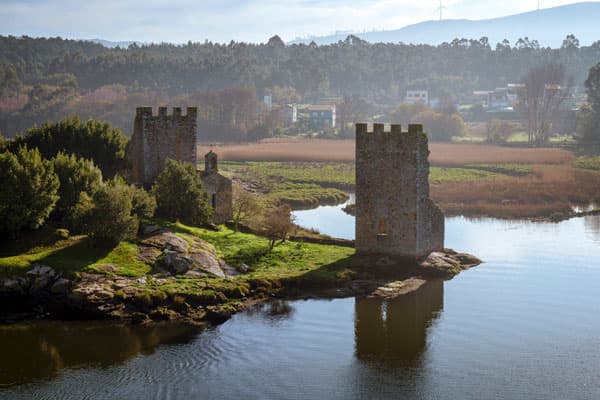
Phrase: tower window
(382, 227)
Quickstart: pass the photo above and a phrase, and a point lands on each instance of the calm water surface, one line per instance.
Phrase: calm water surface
(524, 325)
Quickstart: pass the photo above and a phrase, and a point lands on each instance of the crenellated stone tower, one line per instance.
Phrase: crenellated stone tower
(394, 214)
(158, 137)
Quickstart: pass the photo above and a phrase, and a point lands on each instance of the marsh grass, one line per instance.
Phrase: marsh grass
(546, 191)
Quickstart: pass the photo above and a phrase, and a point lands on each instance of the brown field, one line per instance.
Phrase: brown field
(550, 190)
(446, 154)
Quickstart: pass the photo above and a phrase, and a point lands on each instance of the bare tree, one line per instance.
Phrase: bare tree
(350, 111)
(278, 222)
(246, 205)
(546, 89)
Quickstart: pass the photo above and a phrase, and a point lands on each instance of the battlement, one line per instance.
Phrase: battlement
(191, 112)
(379, 128)
(394, 215)
(157, 137)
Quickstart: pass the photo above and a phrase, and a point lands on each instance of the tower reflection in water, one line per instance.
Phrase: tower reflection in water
(394, 332)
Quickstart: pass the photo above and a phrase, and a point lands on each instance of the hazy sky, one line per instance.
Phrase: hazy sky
(224, 20)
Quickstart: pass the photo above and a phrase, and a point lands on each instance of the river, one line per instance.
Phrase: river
(523, 325)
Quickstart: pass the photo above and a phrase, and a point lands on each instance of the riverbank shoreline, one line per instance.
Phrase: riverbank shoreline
(45, 294)
(540, 190)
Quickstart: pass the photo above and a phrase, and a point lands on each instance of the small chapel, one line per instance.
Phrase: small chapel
(219, 189)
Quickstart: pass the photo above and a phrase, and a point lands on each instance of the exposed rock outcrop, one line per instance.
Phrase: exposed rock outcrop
(190, 256)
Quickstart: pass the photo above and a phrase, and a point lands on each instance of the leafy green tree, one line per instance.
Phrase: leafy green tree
(143, 203)
(10, 82)
(107, 215)
(76, 175)
(28, 190)
(179, 194)
(94, 140)
(440, 126)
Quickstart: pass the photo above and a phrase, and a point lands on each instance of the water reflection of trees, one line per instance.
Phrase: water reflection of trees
(592, 226)
(394, 332)
(41, 350)
(272, 311)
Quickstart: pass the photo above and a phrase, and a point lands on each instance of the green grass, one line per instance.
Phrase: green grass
(323, 174)
(518, 137)
(310, 183)
(287, 260)
(588, 162)
(305, 194)
(468, 139)
(299, 184)
(71, 256)
(522, 137)
(444, 174)
(505, 169)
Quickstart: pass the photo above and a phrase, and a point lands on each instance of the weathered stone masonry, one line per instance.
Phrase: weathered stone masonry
(158, 137)
(394, 215)
(219, 189)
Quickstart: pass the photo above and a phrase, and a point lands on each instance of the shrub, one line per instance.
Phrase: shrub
(62, 233)
(278, 222)
(107, 215)
(498, 131)
(92, 139)
(28, 190)
(76, 175)
(179, 194)
(143, 203)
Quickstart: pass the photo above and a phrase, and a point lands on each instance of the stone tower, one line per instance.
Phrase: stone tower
(394, 215)
(219, 189)
(158, 137)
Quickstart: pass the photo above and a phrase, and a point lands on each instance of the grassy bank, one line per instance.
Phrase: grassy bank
(74, 255)
(589, 162)
(503, 190)
(301, 185)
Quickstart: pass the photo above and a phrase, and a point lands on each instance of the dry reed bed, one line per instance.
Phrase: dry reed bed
(446, 154)
(548, 190)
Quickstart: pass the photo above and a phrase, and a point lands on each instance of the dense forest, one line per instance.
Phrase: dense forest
(47, 78)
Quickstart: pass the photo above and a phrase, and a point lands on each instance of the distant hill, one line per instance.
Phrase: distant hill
(548, 26)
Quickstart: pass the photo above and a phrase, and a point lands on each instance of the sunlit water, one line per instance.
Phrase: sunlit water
(524, 325)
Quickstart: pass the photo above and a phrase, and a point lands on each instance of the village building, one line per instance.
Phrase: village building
(321, 115)
(417, 97)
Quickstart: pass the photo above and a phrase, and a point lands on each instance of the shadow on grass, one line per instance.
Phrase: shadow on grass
(68, 256)
(76, 258)
(250, 256)
(27, 242)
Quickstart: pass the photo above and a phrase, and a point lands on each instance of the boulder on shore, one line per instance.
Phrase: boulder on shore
(188, 255)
